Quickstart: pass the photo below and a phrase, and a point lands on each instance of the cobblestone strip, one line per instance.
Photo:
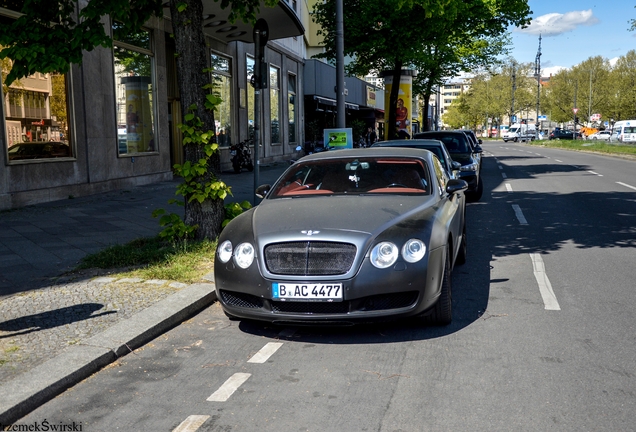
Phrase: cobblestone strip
(37, 325)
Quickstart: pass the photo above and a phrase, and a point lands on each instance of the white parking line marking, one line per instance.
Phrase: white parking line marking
(626, 185)
(191, 424)
(545, 287)
(559, 160)
(508, 187)
(500, 167)
(229, 387)
(520, 217)
(504, 175)
(265, 352)
(595, 173)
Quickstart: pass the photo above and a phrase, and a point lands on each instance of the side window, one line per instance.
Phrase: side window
(36, 114)
(222, 84)
(134, 90)
(440, 173)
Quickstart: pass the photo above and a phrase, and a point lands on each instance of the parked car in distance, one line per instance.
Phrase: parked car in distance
(460, 149)
(39, 150)
(601, 135)
(435, 146)
(565, 134)
(346, 236)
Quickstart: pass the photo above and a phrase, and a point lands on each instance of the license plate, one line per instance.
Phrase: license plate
(233, 153)
(330, 292)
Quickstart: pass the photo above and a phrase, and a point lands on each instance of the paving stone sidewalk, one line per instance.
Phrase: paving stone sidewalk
(49, 313)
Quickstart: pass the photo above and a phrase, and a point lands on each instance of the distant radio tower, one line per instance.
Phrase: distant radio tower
(537, 74)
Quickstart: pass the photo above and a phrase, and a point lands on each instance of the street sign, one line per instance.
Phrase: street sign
(575, 110)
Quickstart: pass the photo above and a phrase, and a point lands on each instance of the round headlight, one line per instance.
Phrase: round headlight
(224, 251)
(384, 255)
(244, 255)
(413, 250)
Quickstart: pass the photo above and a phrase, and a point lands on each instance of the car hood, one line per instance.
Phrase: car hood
(334, 217)
(462, 158)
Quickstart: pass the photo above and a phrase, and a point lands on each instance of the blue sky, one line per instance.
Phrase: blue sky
(573, 31)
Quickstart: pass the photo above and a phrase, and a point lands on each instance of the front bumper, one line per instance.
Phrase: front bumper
(372, 295)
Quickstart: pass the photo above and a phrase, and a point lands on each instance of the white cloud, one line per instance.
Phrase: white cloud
(554, 24)
(613, 61)
(551, 70)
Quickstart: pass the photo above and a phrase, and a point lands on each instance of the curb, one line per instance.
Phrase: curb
(27, 392)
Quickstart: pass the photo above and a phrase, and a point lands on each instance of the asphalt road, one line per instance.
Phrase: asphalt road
(542, 336)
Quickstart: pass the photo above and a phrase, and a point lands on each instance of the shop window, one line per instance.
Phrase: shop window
(291, 107)
(134, 90)
(222, 85)
(249, 67)
(274, 102)
(35, 111)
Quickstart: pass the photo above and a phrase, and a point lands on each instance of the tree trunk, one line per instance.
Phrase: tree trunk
(393, 98)
(192, 60)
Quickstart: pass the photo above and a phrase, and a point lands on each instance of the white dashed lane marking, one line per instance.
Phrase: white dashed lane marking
(191, 424)
(545, 287)
(520, 217)
(595, 173)
(229, 387)
(508, 187)
(626, 185)
(265, 353)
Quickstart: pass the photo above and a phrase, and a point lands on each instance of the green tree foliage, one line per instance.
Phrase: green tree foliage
(50, 36)
(437, 38)
(598, 88)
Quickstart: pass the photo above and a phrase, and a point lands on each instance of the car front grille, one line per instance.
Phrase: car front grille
(309, 258)
(241, 300)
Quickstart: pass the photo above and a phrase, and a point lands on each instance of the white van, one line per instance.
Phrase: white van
(624, 131)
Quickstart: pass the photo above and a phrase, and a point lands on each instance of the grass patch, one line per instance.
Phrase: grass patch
(156, 258)
(589, 146)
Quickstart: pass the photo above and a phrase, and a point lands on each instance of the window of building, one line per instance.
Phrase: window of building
(291, 107)
(274, 101)
(222, 85)
(134, 90)
(35, 111)
(249, 67)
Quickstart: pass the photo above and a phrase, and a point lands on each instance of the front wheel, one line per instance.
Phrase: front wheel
(463, 248)
(442, 311)
(236, 165)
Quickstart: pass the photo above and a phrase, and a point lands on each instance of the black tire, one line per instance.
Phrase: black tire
(480, 190)
(463, 248)
(442, 313)
(236, 165)
(516, 139)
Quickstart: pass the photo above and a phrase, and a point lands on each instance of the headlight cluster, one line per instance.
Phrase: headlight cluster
(243, 254)
(469, 167)
(385, 254)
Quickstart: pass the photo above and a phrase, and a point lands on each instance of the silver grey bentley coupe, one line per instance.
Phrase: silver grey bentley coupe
(347, 236)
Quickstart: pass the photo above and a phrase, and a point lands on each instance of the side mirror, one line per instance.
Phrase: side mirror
(456, 185)
(480, 141)
(478, 149)
(263, 190)
(456, 165)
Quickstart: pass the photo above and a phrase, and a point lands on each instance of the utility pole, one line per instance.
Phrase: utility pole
(340, 78)
(537, 74)
(514, 87)
(589, 104)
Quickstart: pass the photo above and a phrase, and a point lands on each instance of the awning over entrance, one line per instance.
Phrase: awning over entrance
(281, 19)
(332, 102)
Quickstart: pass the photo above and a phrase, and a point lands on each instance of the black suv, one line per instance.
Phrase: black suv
(461, 150)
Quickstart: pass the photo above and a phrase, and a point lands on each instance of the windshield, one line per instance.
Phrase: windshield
(513, 130)
(354, 176)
